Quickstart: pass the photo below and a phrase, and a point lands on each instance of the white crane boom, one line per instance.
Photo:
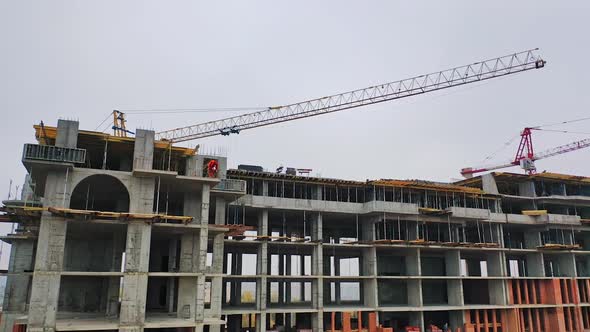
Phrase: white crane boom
(475, 72)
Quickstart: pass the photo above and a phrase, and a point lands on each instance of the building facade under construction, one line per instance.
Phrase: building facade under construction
(133, 234)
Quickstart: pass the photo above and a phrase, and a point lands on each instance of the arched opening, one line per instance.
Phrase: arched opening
(100, 193)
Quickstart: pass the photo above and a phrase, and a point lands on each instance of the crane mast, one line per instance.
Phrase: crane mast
(471, 73)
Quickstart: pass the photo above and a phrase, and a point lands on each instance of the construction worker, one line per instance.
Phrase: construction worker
(212, 167)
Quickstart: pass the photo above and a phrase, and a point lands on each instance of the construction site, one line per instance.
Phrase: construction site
(131, 231)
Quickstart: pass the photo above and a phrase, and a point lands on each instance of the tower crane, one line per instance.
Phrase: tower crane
(471, 73)
(525, 155)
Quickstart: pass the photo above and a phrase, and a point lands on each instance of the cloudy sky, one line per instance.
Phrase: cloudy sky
(82, 59)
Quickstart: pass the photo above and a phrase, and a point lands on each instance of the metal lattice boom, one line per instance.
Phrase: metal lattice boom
(585, 143)
(478, 71)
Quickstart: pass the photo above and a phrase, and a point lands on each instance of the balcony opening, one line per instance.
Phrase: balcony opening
(434, 292)
(96, 296)
(100, 193)
(476, 291)
(393, 293)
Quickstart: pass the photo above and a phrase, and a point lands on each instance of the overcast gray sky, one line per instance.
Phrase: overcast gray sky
(82, 59)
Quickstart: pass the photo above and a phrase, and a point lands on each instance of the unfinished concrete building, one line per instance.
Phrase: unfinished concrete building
(118, 233)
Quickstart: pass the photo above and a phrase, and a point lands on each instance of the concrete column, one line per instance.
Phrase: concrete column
(288, 272)
(567, 264)
(202, 262)
(67, 134)
(46, 278)
(496, 262)
(187, 286)
(455, 291)
(337, 281)
(143, 151)
(173, 243)
(220, 205)
(370, 290)
(413, 265)
(218, 254)
(535, 264)
(317, 192)
(216, 295)
(135, 277)
(415, 292)
(205, 196)
(453, 263)
(281, 283)
(262, 271)
(21, 260)
(261, 322)
(412, 229)
(456, 319)
(413, 268)
(526, 189)
(264, 188)
(489, 184)
(317, 267)
(453, 268)
(57, 189)
(114, 283)
(497, 291)
(532, 239)
(417, 319)
(292, 319)
(369, 267)
(238, 285)
(500, 235)
(17, 286)
(200, 307)
(142, 195)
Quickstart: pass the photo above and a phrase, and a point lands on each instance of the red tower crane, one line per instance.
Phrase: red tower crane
(525, 154)
(475, 72)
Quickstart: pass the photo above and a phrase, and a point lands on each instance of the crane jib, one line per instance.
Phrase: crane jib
(457, 76)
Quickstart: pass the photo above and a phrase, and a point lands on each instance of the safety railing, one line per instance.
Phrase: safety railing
(231, 185)
(54, 153)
